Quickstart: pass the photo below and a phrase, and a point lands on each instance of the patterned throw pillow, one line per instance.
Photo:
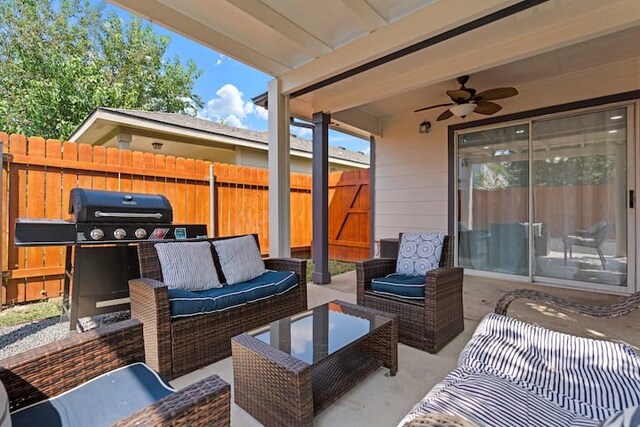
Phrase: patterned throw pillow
(419, 253)
(240, 259)
(187, 265)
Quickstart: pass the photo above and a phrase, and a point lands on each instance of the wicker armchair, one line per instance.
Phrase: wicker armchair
(55, 368)
(426, 324)
(175, 347)
(610, 311)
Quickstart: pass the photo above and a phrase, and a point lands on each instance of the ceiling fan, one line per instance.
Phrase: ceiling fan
(467, 101)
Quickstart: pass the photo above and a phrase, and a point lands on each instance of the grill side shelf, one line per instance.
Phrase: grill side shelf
(33, 232)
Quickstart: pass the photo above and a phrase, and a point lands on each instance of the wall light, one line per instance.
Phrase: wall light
(156, 145)
(424, 127)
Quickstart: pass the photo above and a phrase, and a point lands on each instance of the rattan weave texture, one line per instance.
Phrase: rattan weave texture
(54, 368)
(610, 311)
(176, 347)
(427, 325)
(277, 389)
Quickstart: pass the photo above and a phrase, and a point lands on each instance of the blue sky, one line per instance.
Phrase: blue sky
(227, 86)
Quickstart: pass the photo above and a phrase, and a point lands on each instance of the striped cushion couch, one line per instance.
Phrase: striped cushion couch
(185, 330)
(512, 373)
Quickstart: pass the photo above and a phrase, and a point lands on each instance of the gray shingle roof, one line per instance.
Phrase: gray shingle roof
(182, 120)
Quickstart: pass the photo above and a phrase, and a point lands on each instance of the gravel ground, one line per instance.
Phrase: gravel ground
(19, 338)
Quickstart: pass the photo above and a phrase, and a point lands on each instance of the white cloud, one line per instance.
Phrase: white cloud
(230, 107)
(219, 60)
(301, 132)
(262, 112)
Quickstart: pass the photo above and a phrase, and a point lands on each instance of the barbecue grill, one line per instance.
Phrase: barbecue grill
(101, 254)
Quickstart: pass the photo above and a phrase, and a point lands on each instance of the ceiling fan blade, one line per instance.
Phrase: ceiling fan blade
(460, 95)
(487, 108)
(445, 115)
(497, 93)
(433, 106)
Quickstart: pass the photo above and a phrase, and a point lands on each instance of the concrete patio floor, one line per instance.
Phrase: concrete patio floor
(381, 400)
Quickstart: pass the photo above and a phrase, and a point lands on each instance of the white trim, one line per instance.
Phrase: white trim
(280, 24)
(395, 295)
(158, 377)
(397, 284)
(367, 15)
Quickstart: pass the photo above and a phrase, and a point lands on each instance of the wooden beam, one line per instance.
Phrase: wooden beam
(186, 26)
(367, 15)
(283, 26)
(428, 21)
(506, 41)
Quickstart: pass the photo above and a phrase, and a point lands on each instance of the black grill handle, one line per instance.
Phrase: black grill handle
(100, 214)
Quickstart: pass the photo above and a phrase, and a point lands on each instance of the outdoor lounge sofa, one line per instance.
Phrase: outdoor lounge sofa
(426, 321)
(98, 378)
(512, 373)
(180, 339)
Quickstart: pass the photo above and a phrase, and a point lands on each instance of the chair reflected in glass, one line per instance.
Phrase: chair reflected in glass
(592, 237)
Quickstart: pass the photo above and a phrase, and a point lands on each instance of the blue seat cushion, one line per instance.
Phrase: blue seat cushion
(400, 285)
(99, 402)
(186, 303)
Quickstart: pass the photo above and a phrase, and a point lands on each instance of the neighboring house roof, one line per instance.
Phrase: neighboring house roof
(185, 122)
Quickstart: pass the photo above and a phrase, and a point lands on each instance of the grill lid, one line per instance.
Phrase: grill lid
(112, 206)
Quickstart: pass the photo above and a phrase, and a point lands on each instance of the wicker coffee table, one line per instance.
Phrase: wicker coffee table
(293, 368)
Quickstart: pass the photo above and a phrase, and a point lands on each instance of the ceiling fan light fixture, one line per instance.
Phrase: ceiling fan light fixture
(463, 110)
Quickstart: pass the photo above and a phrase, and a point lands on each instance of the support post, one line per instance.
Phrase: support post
(320, 196)
(212, 201)
(372, 196)
(279, 181)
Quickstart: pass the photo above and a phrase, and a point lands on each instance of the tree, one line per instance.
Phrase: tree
(60, 59)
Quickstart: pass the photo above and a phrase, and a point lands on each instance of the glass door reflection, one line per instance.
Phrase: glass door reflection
(493, 200)
(580, 195)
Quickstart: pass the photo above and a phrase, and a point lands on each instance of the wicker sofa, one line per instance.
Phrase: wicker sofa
(427, 324)
(518, 374)
(65, 368)
(176, 346)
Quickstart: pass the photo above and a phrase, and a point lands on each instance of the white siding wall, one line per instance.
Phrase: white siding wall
(411, 168)
(258, 159)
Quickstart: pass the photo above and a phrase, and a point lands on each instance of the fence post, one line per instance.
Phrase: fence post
(2, 219)
(212, 202)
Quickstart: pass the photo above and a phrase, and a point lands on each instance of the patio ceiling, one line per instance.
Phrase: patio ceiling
(304, 43)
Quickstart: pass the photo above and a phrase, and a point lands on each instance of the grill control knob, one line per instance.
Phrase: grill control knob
(141, 233)
(119, 233)
(96, 234)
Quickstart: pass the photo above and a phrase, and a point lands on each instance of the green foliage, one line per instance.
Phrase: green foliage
(567, 171)
(29, 312)
(335, 268)
(60, 59)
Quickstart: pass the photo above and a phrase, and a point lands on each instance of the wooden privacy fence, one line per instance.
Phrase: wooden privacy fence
(39, 174)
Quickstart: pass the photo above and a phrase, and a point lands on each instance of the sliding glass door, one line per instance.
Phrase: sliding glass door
(493, 180)
(549, 199)
(580, 197)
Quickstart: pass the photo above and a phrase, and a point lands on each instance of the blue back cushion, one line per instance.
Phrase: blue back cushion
(400, 285)
(186, 303)
(99, 402)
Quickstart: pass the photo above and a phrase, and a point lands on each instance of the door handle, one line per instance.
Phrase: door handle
(632, 199)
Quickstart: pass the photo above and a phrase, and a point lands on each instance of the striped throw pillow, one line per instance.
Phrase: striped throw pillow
(187, 265)
(5, 419)
(240, 259)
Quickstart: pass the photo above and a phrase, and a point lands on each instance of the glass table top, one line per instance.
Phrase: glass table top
(312, 335)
